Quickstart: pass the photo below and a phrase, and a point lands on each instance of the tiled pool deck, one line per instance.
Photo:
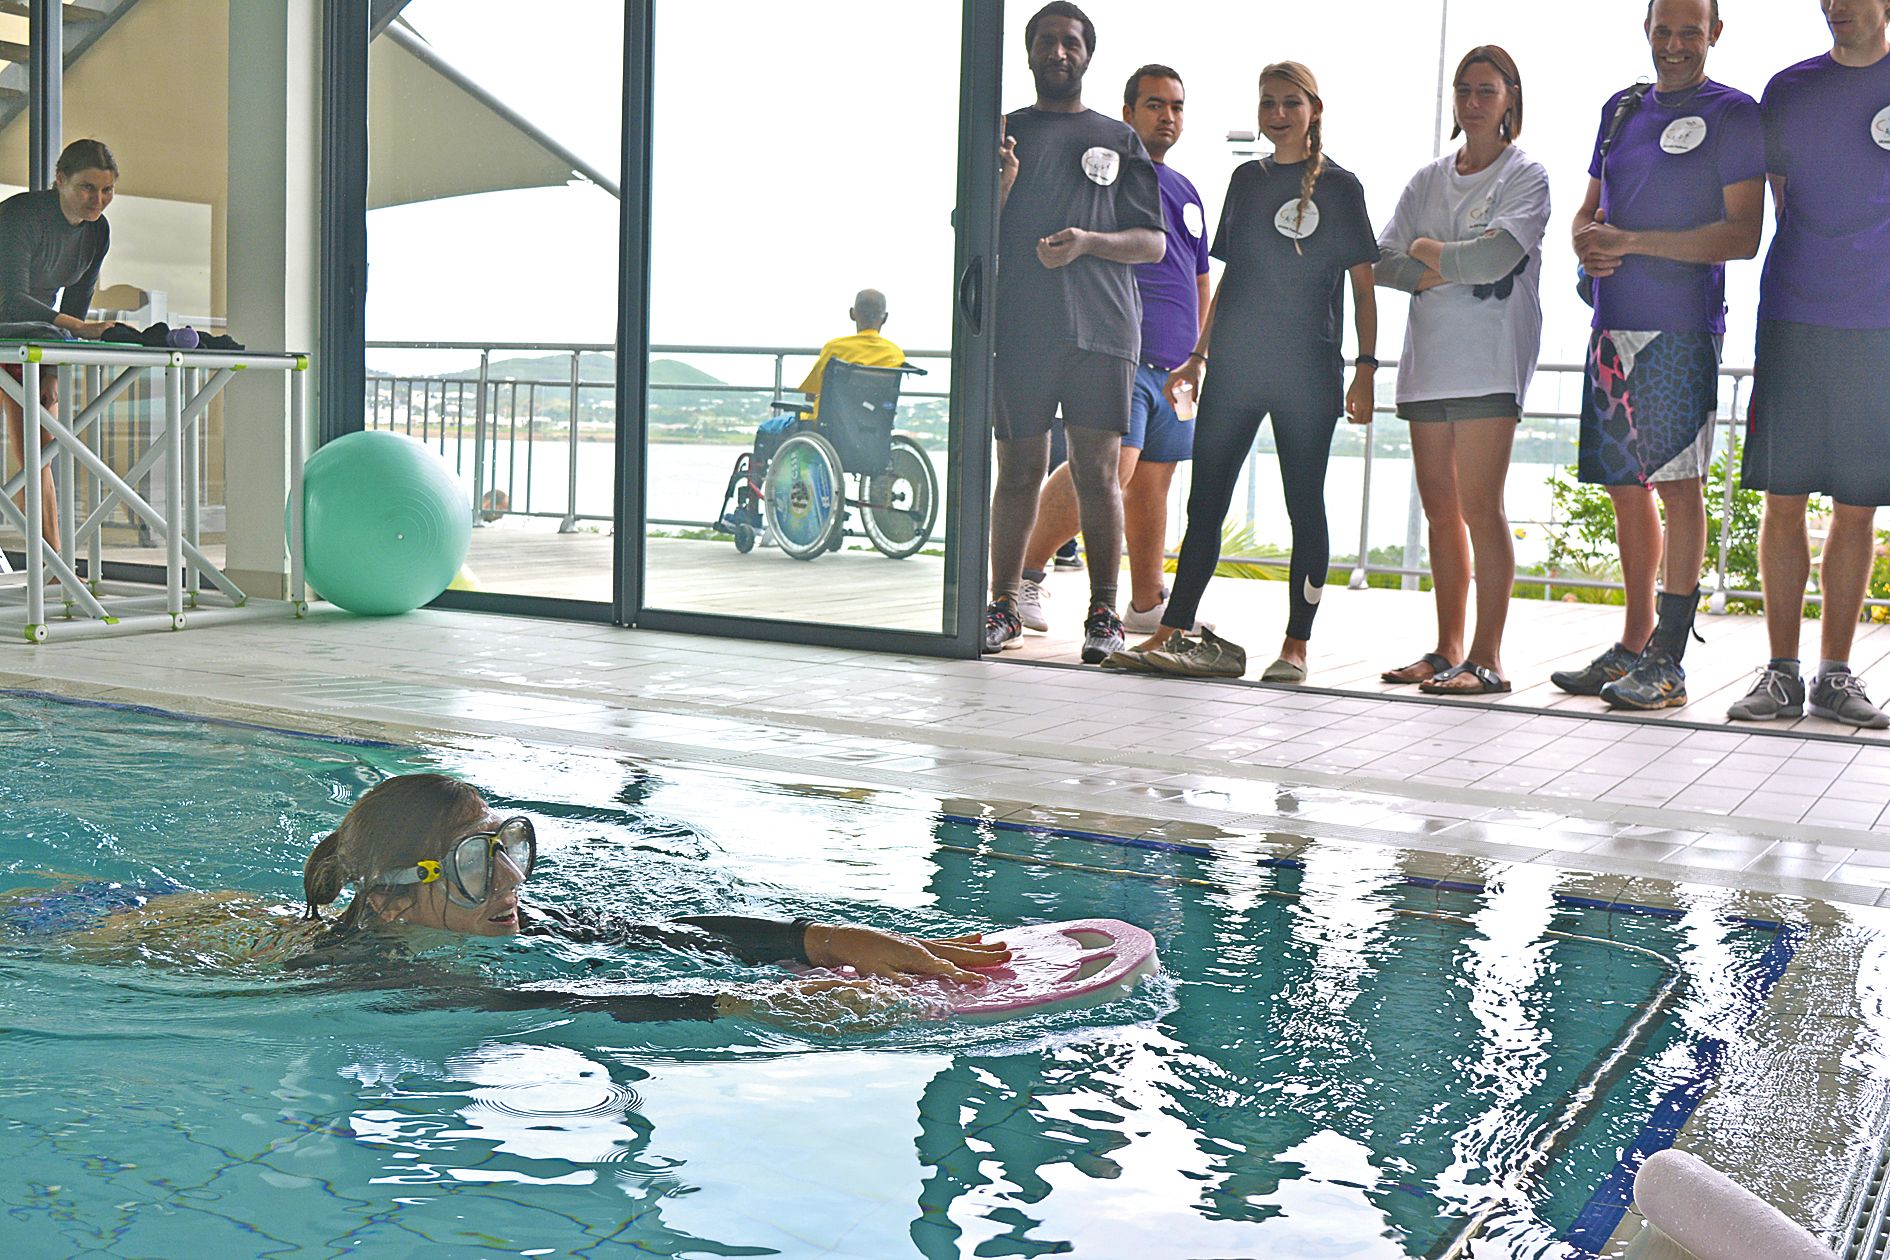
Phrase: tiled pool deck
(1625, 809)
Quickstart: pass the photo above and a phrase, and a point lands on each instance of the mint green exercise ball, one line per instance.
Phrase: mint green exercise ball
(385, 523)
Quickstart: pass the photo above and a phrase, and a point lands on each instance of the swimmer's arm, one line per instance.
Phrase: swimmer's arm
(755, 941)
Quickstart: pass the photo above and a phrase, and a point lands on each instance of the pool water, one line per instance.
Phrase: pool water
(1337, 1060)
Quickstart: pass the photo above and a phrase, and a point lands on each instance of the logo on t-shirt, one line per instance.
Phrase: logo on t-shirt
(1479, 215)
(1294, 225)
(1683, 135)
(1880, 128)
(1102, 165)
(1192, 220)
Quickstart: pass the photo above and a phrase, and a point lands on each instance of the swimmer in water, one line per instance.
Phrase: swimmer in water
(424, 851)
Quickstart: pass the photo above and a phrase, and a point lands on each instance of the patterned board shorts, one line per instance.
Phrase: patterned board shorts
(1648, 401)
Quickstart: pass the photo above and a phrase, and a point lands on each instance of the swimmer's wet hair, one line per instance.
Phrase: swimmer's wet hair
(397, 823)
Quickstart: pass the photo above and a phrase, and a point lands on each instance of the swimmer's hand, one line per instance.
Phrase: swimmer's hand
(893, 957)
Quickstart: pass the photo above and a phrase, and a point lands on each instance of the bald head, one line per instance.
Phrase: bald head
(869, 310)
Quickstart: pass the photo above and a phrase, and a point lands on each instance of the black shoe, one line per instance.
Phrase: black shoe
(1002, 626)
(1655, 682)
(1102, 635)
(1598, 673)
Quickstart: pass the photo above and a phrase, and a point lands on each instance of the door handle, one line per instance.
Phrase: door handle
(971, 295)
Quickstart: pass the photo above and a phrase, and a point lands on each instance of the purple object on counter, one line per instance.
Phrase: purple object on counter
(182, 338)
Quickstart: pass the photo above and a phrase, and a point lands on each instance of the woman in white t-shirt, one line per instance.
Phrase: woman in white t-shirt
(1466, 242)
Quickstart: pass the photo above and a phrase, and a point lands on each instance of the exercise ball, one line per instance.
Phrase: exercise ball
(385, 523)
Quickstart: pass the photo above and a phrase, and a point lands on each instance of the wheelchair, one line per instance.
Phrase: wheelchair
(794, 481)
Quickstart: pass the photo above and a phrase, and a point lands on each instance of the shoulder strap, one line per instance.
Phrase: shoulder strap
(1630, 101)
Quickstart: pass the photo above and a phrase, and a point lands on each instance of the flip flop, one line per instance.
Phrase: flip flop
(1430, 660)
(1488, 683)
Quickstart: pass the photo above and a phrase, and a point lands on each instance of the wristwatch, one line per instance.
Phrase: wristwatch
(1364, 360)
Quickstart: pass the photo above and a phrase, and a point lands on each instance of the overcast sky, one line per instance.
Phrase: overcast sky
(804, 150)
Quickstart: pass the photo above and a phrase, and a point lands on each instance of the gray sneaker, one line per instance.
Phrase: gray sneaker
(1209, 656)
(1841, 698)
(1030, 606)
(1776, 695)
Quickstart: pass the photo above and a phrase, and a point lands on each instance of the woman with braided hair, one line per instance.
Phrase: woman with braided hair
(1293, 229)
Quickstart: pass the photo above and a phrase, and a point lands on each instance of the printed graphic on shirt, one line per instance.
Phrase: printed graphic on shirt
(1683, 135)
(1479, 215)
(1101, 165)
(1294, 225)
(1880, 128)
(1192, 220)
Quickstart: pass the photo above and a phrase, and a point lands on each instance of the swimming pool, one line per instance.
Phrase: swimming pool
(1340, 1060)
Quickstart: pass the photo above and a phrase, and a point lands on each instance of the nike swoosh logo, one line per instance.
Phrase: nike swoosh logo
(1313, 593)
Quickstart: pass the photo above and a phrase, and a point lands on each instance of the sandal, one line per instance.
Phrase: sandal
(1408, 674)
(1487, 682)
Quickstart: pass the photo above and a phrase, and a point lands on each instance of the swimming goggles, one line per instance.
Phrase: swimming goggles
(468, 865)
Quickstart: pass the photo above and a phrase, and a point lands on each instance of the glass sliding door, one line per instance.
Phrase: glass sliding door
(495, 153)
(815, 399)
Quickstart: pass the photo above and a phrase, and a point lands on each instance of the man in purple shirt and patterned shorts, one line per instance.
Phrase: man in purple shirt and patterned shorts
(1675, 189)
(1820, 419)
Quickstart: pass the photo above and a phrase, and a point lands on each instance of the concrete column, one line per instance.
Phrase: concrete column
(271, 270)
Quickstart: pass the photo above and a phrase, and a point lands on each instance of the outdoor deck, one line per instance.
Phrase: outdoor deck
(1359, 632)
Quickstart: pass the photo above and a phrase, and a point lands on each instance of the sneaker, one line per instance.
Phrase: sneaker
(1102, 635)
(1146, 620)
(1030, 606)
(1598, 673)
(1067, 557)
(1776, 695)
(1841, 698)
(1209, 656)
(1002, 629)
(1656, 682)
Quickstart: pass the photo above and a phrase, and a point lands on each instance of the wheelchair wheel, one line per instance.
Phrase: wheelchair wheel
(902, 503)
(744, 537)
(802, 495)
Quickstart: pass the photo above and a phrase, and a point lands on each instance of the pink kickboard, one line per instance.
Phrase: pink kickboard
(1058, 965)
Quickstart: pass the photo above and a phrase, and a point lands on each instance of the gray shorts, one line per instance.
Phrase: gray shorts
(1482, 407)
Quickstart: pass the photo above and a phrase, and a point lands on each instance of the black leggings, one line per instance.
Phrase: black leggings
(1224, 432)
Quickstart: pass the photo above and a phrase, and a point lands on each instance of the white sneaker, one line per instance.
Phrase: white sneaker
(1145, 620)
(1030, 606)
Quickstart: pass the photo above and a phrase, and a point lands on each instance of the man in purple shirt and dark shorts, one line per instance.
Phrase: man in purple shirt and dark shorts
(1820, 419)
(1675, 189)
(1174, 295)
(1079, 206)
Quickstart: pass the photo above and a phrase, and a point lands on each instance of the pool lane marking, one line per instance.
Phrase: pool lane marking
(1567, 900)
(1595, 1224)
(1601, 1215)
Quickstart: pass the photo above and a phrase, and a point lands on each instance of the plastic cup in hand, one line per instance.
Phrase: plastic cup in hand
(182, 338)
(1184, 401)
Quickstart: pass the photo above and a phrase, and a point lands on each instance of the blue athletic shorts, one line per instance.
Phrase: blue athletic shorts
(1154, 428)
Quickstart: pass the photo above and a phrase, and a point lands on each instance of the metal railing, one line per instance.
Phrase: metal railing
(508, 427)
(492, 428)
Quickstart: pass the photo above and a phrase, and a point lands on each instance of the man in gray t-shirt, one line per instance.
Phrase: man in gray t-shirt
(1080, 206)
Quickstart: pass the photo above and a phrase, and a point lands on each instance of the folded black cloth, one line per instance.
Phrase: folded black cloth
(159, 336)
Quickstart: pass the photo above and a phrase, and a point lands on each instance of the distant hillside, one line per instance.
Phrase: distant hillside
(599, 368)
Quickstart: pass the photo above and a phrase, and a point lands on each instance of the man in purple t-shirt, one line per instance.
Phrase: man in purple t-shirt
(1820, 418)
(1675, 189)
(1174, 296)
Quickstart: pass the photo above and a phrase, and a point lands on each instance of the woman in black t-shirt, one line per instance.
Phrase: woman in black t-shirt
(1293, 228)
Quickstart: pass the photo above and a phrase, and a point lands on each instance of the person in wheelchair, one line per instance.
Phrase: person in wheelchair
(865, 347)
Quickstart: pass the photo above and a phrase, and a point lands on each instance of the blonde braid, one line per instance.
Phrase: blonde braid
(1309, 179)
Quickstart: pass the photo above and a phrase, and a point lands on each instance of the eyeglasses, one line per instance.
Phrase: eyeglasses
(469, 863)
